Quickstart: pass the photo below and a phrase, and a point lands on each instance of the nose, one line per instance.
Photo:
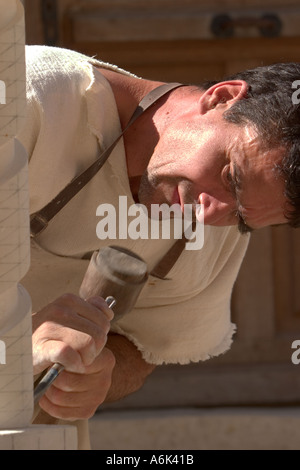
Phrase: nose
(218, 212)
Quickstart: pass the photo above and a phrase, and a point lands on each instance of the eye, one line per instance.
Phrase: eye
(227, 176)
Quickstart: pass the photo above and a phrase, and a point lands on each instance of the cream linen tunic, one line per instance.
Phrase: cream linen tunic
(72, 116)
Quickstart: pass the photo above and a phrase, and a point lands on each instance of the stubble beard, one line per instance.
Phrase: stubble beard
(157, 189)
(147, 193)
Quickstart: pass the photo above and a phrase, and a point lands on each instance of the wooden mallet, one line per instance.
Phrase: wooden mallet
(116, 274)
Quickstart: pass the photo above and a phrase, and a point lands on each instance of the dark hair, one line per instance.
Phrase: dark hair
(270, 107)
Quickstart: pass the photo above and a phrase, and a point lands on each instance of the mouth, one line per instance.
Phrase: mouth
(183, 195)
(175, 197)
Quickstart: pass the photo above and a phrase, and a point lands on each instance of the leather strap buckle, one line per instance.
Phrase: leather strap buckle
(38, 223)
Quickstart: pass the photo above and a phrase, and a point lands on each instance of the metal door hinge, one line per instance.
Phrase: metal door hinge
(268, 25)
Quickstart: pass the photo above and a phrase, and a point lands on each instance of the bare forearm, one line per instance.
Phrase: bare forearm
(130, 371)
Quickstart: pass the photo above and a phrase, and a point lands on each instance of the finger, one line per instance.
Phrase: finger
(100, 303)
(58, 352)
(81, 382)
(62, 317)
(70, 413)
(75, 350)
(81, 402)
(72, 312)
(88, 309)
(75, 399)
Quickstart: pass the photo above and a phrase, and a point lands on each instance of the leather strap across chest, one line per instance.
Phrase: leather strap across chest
(40, 219)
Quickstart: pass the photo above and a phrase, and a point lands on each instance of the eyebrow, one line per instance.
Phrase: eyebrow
(236, 178)
(236, 186)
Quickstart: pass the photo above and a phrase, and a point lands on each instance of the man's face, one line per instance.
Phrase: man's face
(206, 159)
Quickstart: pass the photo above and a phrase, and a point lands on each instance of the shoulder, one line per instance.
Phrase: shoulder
(46, 60)
(40, 57)
(46, 66)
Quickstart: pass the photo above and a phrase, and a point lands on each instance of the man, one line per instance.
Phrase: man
(193, 146)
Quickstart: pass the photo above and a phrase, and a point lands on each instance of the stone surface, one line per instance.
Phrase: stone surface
(39, 437)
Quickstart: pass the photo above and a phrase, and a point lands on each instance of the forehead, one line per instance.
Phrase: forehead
(253, 156)
(261, 191)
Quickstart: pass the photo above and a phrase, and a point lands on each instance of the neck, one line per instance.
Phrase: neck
(142, 136)
(128, 91)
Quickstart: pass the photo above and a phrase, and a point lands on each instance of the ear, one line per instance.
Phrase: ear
(222, 95)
